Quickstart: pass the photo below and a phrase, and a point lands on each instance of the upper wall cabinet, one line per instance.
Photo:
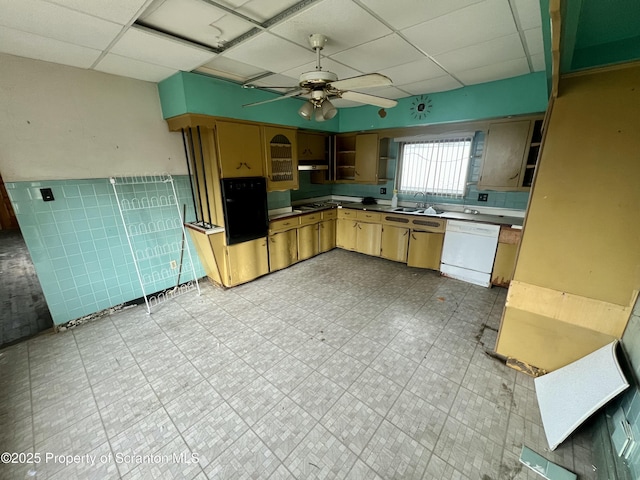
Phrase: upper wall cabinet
(361, 158)
(240, 151)
(311, 146)
(510, 156)
(281, 158)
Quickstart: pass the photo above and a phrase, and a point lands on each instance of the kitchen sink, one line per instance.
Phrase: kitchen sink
(408, 210)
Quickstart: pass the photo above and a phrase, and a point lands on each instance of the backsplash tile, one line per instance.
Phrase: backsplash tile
(79, 246)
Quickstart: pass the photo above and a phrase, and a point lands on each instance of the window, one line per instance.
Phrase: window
(437, 166)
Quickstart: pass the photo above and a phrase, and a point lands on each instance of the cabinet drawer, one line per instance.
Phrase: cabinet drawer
(329, 214)
(429, 225)
(510, 236)
(396, 220)
(310, 218)
(368, 216)
(346, 213)
(284, 224)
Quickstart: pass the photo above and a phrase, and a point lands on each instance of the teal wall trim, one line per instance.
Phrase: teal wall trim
(79, 246)
(216, 97)
(546, 41)
(512, 96)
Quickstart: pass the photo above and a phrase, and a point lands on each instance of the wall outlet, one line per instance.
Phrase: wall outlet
(173, 264)
(483, 197)
(47, 195)
(383, 190)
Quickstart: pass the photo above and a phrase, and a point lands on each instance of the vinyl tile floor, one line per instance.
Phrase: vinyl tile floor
(342, 366)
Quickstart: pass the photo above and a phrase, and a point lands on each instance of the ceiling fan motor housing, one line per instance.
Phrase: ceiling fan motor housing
(318, 78)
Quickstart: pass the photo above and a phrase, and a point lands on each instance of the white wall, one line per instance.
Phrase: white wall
(59, 122)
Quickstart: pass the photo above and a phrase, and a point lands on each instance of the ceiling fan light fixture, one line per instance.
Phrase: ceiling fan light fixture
(328, 110)
(306, 110)
(318, 116)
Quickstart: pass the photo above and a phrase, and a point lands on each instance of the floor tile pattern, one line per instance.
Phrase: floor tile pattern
(342, 366)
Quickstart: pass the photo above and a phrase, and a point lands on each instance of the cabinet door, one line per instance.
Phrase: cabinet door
(327, 235)
(504, 264)
(308, 241)
(281, 154)
(246, 261)
(505, 149)
(367, 158)
(283, 249)
(346, 233)
(311, 146)
(395, 243)
(368, 238)
(239, 150)
(425, 250)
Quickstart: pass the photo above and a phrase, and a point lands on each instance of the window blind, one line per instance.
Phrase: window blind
(435, 167)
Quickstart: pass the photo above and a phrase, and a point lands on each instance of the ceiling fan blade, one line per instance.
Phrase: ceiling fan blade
(362, 81)
(293, 93)
(369, 99)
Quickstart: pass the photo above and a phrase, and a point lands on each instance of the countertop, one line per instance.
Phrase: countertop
(470, 217)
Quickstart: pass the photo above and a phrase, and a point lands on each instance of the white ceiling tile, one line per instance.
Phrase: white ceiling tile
(440, 84)
(231, 27)
(59, 23)
(118, 11)
(498, 50)
(537, 62)
(385, 52)
(23, 44)
(406, 13)
(327, 65)
(128, 67)
(474, 24)
(534, 41)
(344, 23)
(413, 71)
(271, 53)
(528, 13)
(225, 67)
(263, 10)
(159, 50)
(489, 73)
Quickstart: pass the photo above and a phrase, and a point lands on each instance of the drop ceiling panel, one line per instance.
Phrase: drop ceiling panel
(118, 11)
(23, 44)
(440, 84)
(59, 23)
(327, 65)
(270, 53)
(385, 52)
(477, 23)
(534, 41)
(528, 13)
(494, 51)
(489, 73)
(406, 13)
(158, 50)
(231, 27)
(230, 68)
(263, 10)
(537, 62)
(128, 67)
(277, 80)
(413, 71)
(344, 23)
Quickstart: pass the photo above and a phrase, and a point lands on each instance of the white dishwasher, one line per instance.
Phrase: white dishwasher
(469, 250)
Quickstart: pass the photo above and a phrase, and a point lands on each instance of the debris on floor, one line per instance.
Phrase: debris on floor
(544, 467)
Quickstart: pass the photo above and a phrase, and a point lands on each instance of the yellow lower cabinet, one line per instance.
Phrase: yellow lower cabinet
(504, 264)
(425, 249)
(368, 238)
(246, 261)
(308, 241)
(327, 235)
(283, 249)
(395, 243)
(346, 233)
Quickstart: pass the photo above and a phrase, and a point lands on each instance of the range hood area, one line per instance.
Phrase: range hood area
(312, 165)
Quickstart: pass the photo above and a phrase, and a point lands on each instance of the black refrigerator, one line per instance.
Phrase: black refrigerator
(245, 208)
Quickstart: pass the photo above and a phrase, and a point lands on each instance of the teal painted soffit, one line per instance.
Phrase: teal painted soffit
(545, 18)
(511, 96)
(213, 96)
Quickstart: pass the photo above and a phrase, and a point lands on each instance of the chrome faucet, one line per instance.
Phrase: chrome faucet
(422, 204)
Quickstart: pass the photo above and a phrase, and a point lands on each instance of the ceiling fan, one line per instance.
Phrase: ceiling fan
(322, 85)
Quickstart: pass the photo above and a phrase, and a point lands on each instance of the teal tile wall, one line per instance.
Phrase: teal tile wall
(79, 246)
(279, 199)
(310, 190)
